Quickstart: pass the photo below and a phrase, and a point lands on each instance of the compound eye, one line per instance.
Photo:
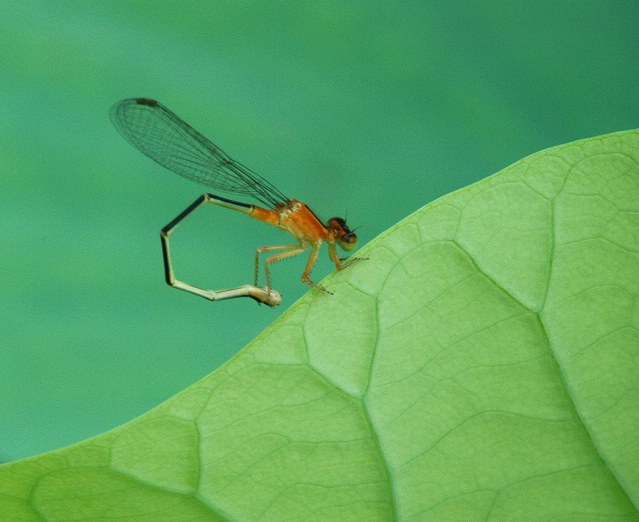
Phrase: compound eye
(348, 241)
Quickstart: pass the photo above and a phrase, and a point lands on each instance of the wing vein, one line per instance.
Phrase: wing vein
(168, 140)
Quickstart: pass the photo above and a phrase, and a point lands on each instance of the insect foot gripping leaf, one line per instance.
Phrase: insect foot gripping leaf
(482, 365)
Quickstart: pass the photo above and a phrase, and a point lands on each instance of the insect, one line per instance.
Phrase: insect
(170, 141)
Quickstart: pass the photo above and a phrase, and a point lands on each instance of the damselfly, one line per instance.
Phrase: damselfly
(170, 141)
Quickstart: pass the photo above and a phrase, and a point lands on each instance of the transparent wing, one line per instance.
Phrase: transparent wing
(170, 141)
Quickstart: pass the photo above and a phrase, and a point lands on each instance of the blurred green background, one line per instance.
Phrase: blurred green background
(364, 109)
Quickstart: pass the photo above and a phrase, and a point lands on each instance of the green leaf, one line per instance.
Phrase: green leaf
(483, 363)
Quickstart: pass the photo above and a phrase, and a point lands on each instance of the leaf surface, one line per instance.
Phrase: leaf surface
(482, 364)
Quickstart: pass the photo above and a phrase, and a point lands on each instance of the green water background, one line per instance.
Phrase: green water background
(364, 109)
